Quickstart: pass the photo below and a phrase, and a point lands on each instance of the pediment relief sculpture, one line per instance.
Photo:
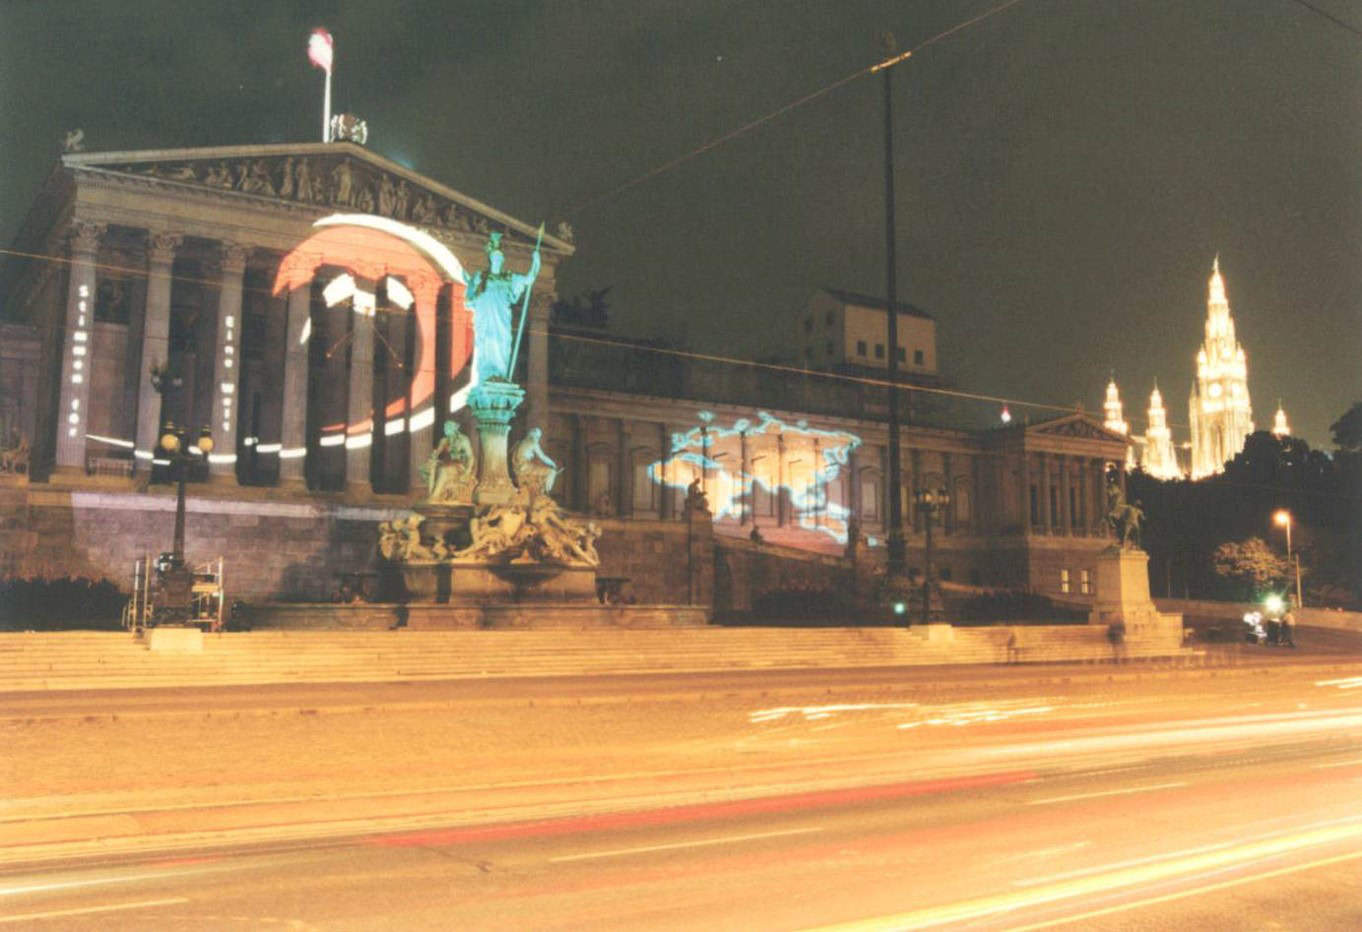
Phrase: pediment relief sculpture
(1078, 427)
(341, 181)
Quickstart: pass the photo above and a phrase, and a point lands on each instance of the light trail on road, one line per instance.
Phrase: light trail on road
(1041, 807)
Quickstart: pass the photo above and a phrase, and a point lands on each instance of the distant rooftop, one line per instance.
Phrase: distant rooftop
(865, 300)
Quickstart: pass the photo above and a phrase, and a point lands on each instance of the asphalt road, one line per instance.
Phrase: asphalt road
(1183, 801)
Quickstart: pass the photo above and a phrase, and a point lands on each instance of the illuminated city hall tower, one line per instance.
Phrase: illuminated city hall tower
(1219, 409)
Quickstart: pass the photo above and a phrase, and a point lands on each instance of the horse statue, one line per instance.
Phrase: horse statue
(1124, 519)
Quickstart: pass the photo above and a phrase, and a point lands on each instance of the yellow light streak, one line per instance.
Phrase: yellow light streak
(1167, 870)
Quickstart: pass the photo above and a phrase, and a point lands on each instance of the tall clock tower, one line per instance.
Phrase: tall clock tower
(1220, 414)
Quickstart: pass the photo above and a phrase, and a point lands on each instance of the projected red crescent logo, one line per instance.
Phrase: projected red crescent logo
(374, 248)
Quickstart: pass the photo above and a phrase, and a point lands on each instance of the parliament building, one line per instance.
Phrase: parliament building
(297, 303)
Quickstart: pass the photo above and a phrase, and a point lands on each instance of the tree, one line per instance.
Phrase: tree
(1348, 430)
(1251, 565)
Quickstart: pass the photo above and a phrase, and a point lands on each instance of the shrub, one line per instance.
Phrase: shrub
(60, 604)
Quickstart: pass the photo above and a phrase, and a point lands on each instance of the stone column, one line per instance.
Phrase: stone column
(537, 365)
(227, 365)
(746, 485)
(1025, 496)
(1043, 492)
(77, 363)
(293, 413)
(1066, 518)
(911, 519)
(782, 494)
(155, 341)
(624, 481)
(1098, 496)
(577, 471)
(359, 448)
(664, 489)
(948, 519)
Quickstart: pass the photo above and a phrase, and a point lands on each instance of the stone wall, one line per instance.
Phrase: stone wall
(745, 572)
(273, 549)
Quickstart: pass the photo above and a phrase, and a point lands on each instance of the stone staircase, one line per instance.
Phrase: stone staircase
(97, 660)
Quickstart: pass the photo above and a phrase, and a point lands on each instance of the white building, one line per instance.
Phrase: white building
(1220, 413)
(843, 330)
(1160, 458)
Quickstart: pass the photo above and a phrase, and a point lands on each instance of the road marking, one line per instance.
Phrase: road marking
(1342, 763)
(58, 913)
(101, 881)
(1183, 894)
(1045, 852)
(1124, 792)
(681, 844)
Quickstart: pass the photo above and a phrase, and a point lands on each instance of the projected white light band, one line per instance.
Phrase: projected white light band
(111, 441)
(338, 289)
(227, 388)
(79, 337)
(796, 460)
(398, 293)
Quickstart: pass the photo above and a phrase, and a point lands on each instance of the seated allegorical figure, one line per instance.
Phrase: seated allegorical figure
(450, 471)
(534, 470)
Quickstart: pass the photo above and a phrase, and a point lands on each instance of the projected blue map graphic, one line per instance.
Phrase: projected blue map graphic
(740, 463)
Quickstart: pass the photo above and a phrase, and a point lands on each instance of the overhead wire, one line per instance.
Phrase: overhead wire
(793, 105)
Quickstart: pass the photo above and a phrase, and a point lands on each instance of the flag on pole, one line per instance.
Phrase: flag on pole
(319, 48)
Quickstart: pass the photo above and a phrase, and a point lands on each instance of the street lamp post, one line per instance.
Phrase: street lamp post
(176, 578)
(1282, 518)
(930, 504)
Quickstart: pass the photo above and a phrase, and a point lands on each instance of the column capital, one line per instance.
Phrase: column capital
(161, 247)
(85, 237)
(233, 257)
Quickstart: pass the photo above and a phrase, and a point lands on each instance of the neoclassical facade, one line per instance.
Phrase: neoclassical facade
(303, 304)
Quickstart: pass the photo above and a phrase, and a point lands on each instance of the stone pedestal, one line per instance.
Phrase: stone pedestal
(494, 404)
(1123, 596)
(499, 583)
(172, 639)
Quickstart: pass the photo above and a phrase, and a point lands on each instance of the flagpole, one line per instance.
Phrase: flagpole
(326, 109)
(524, 311)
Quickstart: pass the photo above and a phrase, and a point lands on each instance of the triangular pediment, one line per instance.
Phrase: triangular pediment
(1076, 425)
(328, 176)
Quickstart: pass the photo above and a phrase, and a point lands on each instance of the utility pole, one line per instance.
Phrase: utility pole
(896, 548)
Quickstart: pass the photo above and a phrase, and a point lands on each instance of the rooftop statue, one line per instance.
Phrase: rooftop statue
(491, 294)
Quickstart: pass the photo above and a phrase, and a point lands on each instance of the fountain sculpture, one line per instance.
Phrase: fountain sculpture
(482, 534)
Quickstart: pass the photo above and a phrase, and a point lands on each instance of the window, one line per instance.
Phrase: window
(860, 347)
(831, 318)
(1084, 582)
(879, 350)
(112, 303)
(903, 354)
(645, 490)
(1035, 506)
(918, 358)
(1063, 580)
(808, 325)
(870, 499)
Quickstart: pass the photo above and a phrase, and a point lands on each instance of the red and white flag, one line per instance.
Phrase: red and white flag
(319, 48)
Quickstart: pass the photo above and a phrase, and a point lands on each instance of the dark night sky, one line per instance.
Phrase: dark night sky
(1066, 171)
